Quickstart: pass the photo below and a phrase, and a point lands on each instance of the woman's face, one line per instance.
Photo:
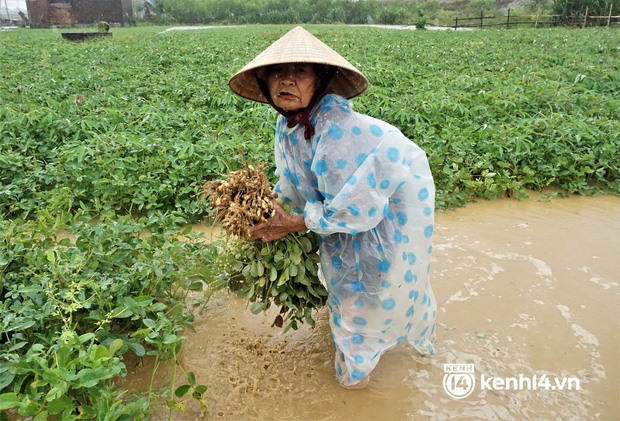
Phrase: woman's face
(291, 85)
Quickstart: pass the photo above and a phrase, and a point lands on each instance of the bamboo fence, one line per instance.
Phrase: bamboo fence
(536, 20)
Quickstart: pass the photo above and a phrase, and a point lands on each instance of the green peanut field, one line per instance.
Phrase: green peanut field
(102, 145)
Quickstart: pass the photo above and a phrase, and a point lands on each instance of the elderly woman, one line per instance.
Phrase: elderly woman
(362, 186)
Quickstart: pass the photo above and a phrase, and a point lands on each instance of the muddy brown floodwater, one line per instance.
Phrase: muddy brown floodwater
(524, 288)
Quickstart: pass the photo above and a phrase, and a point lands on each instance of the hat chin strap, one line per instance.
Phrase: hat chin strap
(301, 116)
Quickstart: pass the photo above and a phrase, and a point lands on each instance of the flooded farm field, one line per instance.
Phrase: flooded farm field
(527, 290)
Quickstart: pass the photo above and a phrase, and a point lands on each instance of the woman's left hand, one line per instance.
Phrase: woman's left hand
(280, 224)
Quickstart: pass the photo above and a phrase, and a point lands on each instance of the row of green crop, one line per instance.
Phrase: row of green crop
(499, 114)
(132, 123)
(136, 132)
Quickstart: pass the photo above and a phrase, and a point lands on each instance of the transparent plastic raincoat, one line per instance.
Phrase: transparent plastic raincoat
(368, 192)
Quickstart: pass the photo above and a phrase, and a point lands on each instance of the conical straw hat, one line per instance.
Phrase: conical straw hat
(299, 46)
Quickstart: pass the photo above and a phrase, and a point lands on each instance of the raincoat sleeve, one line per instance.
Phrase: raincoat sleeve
(359, 162)
(288, 180)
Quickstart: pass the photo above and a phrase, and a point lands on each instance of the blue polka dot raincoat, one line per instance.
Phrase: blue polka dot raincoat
(368, 192)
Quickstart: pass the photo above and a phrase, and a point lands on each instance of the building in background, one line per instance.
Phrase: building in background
(48, 13)
(143, 10)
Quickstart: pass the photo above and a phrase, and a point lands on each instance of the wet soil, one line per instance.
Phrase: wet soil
(523, 287)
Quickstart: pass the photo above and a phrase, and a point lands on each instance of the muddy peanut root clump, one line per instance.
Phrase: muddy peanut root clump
(241, 201)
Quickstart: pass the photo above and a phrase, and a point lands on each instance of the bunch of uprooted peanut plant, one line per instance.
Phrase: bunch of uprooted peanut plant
(283, 272)
(241, 201)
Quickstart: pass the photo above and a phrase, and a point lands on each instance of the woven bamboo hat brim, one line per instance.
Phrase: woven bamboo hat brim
(299, 46)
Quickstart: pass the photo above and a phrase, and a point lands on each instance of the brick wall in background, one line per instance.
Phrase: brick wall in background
(43, 13)
(91, 11)
(60, 14)
(37, 13)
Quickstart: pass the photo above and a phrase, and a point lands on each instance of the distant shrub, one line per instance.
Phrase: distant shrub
(394, 15)
(337, 15)
(164, 19)
(421, 22)
(574, 8)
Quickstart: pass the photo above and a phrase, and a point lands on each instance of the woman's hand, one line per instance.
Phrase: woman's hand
(280, 224)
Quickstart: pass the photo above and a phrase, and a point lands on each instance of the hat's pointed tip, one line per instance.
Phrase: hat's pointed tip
(297, 29)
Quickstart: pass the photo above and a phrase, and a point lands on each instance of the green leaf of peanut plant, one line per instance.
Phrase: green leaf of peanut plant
(257, 307)
(181, 390)
(191, 378)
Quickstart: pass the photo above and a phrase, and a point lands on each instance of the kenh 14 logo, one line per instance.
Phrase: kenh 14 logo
(459, 380)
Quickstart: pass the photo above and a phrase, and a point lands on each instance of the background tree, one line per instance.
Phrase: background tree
(575, 8)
